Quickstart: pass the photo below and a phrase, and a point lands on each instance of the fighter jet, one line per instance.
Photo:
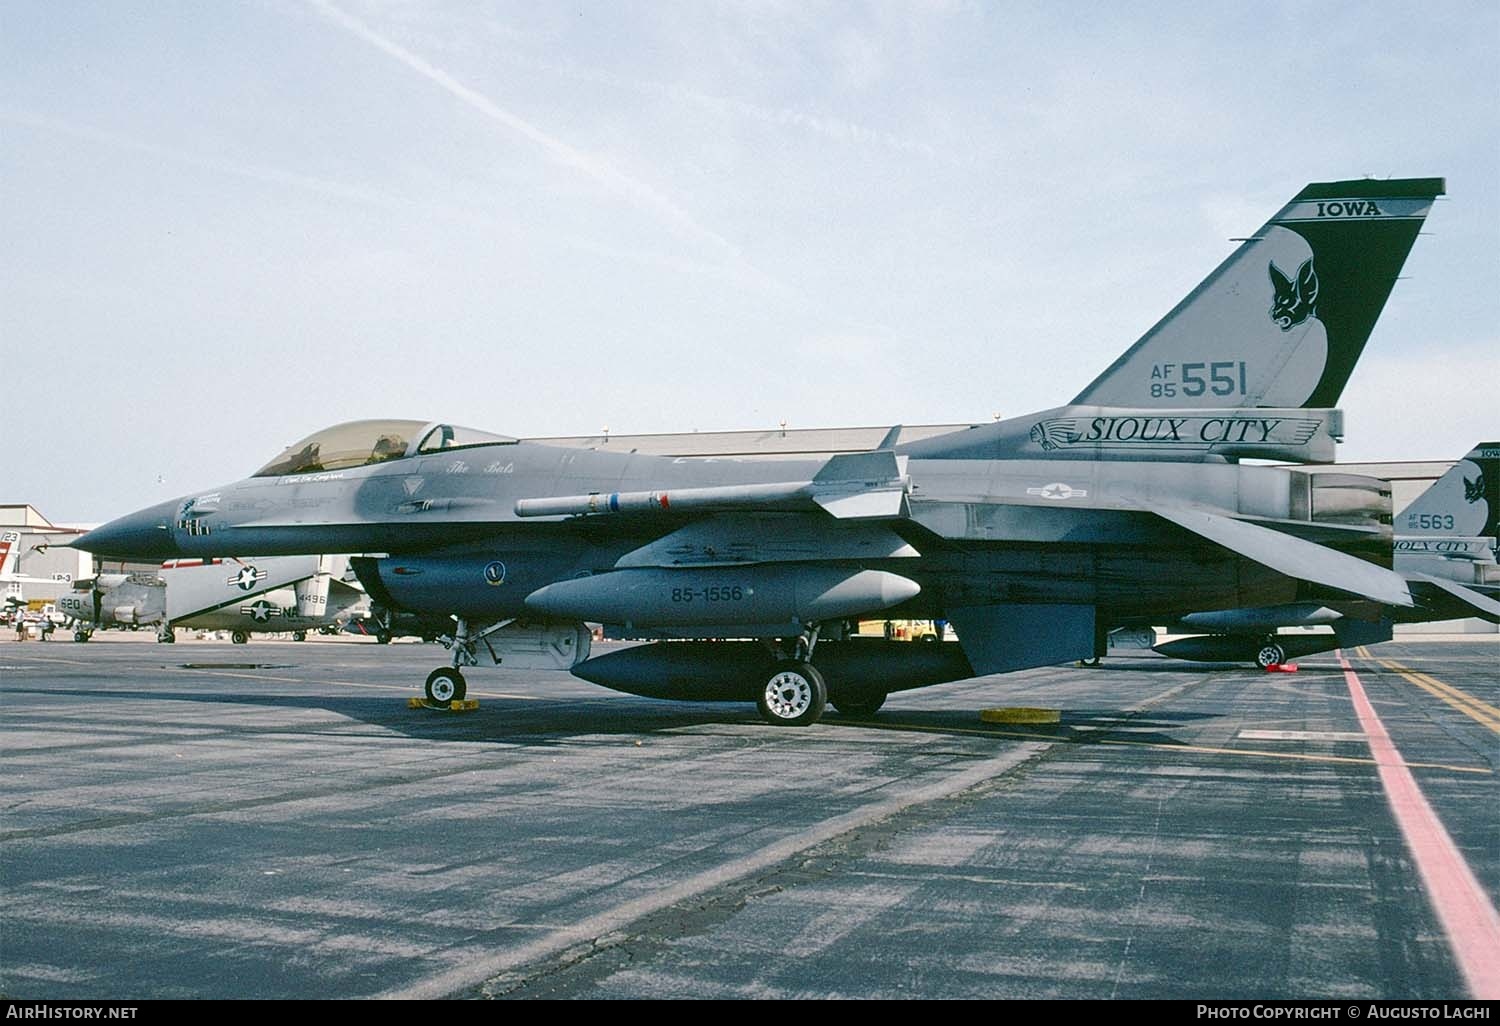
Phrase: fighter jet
(1029, 535)
(1445, 548)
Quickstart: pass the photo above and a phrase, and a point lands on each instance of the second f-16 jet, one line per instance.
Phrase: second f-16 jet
(1031, 536)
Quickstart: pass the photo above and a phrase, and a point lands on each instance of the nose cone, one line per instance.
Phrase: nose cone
(146, 534)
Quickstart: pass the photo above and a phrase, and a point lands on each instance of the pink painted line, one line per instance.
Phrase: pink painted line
(1465, 910)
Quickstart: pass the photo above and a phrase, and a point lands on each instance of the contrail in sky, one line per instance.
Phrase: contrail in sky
(637, 192)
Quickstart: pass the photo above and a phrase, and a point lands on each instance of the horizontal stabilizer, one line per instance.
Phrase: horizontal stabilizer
(1302, 560)
(1482, 604)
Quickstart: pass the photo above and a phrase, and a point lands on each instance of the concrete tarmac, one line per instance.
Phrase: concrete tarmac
(271, 820)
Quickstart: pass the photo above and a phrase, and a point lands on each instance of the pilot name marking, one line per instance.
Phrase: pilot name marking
(293, 479)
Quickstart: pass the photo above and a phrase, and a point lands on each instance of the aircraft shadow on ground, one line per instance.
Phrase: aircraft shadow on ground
(1193, 666)
(553, 721)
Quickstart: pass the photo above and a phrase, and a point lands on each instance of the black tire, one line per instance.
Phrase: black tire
(444, 685)
(299, 635)
(1270, 654)
(167, 637)
(239, 637)
(794, 696)
(859, 706)
(81, 636)
(382, 638)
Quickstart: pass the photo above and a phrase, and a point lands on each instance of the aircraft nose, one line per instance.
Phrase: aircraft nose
(145, 534)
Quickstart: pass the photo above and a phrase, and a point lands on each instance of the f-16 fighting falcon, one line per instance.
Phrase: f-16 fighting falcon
(1030, 535)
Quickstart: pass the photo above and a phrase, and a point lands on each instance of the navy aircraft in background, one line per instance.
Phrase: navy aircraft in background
(1029, 535)
(182, 592)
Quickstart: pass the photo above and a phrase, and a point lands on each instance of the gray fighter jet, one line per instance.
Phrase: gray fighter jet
(1028, 535)
(1445, 548)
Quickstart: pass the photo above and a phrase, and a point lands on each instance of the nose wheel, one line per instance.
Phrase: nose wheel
(444, 685)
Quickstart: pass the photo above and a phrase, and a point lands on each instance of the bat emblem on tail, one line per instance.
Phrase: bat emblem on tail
(1295, 300)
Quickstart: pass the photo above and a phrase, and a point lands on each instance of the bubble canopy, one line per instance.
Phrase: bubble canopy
(360, 443)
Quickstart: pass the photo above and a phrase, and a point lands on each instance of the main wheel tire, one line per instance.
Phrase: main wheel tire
(794, 696)
(859, 707)
(81, 636)
(167, 637)
(382, 638)
(299, 635)
(444, 685)
(239, 637)
(1270, 654)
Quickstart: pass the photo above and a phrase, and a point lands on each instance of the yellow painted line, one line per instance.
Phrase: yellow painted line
(1020, 714)
(1203, 749)
(1476, 709)
(1298, 756)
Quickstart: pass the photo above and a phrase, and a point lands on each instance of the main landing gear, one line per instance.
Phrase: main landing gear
(1270, 654)
(796, 694)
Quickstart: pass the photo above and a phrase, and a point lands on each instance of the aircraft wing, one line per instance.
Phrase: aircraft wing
(1302, 560)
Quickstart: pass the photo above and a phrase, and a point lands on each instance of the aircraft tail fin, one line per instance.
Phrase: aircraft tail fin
(10, 544)
(1464, 502)
(1284, 319)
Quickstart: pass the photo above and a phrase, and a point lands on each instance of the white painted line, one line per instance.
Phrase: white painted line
(1462, 906)
(1301, 735)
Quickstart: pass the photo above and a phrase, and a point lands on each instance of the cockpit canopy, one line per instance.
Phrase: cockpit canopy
(362, 442)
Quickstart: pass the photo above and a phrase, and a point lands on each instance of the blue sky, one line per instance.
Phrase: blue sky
(228, 225)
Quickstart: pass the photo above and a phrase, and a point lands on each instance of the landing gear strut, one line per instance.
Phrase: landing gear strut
(446, 683)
